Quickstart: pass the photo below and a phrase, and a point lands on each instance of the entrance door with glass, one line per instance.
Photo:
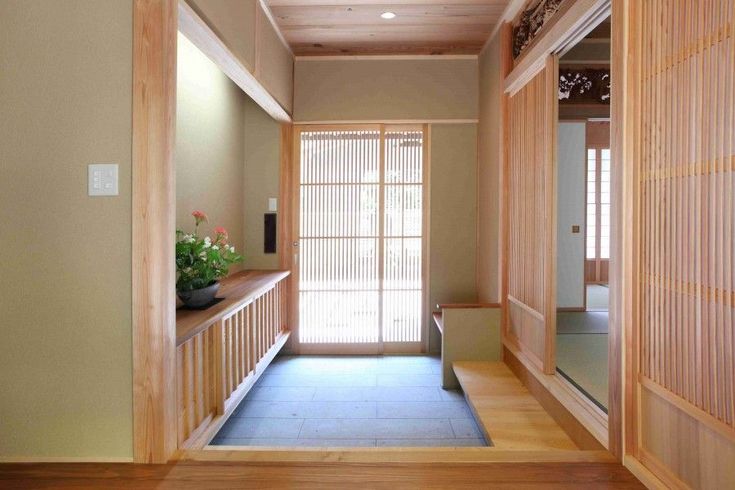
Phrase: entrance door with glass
(361, 244)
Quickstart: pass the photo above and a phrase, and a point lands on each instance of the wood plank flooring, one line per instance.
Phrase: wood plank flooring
(188, 475)
(509, 414)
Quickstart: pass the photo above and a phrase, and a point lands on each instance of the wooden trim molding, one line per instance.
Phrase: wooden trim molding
(153, 228)
(622, 228)
(385, 121)
(204, 38)
(285, 237)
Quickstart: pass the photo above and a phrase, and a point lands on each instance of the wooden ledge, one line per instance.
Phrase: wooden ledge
(237, 290)
(389, 455)
(443, 306)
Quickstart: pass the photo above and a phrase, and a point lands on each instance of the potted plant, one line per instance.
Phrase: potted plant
(200, 262)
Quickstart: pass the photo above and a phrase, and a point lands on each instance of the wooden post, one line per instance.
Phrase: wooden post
(154, 208)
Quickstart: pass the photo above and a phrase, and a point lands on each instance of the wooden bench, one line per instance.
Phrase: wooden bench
(506, 411)
(469, 332)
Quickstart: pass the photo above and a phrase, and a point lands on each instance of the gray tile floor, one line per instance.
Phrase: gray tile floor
(351, 401)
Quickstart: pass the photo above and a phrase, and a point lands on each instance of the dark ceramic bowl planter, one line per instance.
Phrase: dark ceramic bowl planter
(196, 298)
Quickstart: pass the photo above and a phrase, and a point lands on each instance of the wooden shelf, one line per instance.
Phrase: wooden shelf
(238, 289)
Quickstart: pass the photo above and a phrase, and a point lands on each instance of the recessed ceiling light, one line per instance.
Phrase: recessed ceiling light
(388, 15)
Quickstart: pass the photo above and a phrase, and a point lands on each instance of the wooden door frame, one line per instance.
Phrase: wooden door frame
(156, 24)
(293, 231)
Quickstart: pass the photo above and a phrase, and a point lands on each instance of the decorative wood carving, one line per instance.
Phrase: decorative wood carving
(531, 21)
(584, 86)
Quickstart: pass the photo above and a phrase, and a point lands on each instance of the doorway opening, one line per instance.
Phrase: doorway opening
(584, 175)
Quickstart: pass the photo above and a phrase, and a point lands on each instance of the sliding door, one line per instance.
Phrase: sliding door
(531, 300)
(681, 347)
(360, 235)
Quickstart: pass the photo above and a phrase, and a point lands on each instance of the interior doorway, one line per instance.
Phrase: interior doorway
(584, 210)
(360, 239)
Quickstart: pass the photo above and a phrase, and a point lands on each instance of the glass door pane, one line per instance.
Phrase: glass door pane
(361, 237)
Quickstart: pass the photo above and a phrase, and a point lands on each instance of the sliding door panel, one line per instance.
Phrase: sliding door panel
(684, 158)
(531, 304)
(360, 238)
(339, 239)
(402, 242)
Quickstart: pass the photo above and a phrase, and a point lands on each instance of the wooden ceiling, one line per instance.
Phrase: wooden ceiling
(343, 27)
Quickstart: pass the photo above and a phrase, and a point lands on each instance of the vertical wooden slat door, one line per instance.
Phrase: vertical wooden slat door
(360, 239)
(684, 166)
(531, 320)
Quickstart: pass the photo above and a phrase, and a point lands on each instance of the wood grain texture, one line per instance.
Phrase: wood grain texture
(356, 28)
(681, 375)
(225, 349)
(154, 205)
(236, 290)
(531, 323)
(620, 233)
(575, 413)
(506, 411)
(325, 475)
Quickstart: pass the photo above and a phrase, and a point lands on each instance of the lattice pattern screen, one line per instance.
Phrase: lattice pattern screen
(361, 236)
(531, 123)
(687, 208)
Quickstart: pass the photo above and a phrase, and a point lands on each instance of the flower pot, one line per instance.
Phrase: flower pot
(196, 298)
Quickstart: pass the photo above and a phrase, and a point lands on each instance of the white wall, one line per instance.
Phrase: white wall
(570, 212)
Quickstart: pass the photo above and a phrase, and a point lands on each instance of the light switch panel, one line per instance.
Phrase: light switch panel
(102, 179)
(272, 204)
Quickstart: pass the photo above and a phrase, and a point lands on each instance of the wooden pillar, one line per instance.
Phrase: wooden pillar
(154, 209)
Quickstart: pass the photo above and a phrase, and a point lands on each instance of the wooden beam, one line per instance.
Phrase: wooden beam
(204, 38)
(153, 228)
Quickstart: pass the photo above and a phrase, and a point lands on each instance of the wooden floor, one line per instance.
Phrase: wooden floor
(508, 413)
(318, 476)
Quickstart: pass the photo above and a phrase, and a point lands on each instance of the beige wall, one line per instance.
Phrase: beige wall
(258, 49)
(210, 145)
(234, 23)
(489, 174)
(65, 294)
(227, 156)
(262, 162)
(274, 68)
(345, 90)
(453, 218)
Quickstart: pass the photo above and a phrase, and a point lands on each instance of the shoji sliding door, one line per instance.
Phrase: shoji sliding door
(360, 238)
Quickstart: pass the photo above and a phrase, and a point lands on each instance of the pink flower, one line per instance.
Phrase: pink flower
(221, 234)
(199, 216)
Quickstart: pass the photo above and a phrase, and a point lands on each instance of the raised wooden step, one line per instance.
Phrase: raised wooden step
(506, 411)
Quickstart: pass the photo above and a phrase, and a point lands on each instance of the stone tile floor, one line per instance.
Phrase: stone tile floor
(351, 401)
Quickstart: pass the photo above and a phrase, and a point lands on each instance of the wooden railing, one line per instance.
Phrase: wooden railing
(222, 351)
